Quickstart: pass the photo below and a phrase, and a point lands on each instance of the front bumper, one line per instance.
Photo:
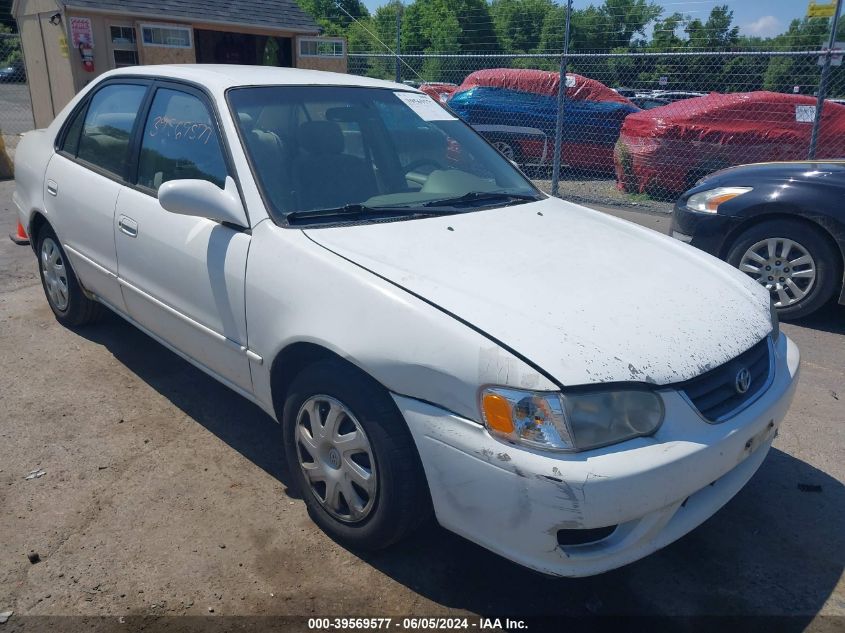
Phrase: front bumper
(514, 501)
(706, 231)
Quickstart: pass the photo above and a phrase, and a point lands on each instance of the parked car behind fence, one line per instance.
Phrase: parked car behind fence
(516, 110)
(440, 92)
(668, 149)
(13, 73)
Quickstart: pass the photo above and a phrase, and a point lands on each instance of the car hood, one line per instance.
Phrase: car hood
(583, 296)
(830, 173)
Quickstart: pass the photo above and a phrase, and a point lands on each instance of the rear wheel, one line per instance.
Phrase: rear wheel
(64, 294)
(353, 457)
(793, 260)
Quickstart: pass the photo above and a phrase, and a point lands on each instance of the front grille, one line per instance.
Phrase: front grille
(715, 393)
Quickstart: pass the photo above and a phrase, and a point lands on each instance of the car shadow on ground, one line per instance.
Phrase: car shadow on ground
(233, 419)
(830, 318)
(778, 548)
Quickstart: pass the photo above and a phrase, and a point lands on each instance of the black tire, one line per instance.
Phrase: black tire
(80, 310)
(402, 501)
(828, 262)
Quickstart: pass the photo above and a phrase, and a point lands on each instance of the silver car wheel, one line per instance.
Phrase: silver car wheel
(336, 458)
(55, 274)
(506, 149)
(783, 266)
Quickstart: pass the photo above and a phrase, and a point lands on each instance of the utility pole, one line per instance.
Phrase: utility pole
(817, 120)
(561, 101)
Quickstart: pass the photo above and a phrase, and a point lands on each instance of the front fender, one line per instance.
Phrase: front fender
(297, 291)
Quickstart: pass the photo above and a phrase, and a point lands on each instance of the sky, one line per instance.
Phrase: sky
(754, 17)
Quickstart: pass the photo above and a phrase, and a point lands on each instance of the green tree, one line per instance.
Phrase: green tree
(626, 18)
(6, 19)
(716, 33)
(519, 23)
(665, 35)
(611, 25)
(335, 16)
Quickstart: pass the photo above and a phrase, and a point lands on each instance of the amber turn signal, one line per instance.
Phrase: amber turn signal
(497, 412)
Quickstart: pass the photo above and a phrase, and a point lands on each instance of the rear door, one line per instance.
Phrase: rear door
(183, 277)
(84, 178)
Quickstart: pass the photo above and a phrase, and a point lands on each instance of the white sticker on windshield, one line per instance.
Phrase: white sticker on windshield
(425, 107)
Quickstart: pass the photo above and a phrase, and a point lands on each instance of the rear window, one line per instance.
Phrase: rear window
(108, 126)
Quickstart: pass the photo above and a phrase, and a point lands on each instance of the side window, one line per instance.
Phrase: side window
(108, 126)
(70, 144)
(180, 142)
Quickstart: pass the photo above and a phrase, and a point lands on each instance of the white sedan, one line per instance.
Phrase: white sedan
(434, 334)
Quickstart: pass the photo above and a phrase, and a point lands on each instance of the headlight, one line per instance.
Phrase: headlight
(775, 321)
(571, 421)
(709, 201)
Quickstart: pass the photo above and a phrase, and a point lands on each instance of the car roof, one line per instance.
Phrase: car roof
(221, 77)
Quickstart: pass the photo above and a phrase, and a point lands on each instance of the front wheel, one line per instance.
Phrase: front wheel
(793, 261)
(353, 457)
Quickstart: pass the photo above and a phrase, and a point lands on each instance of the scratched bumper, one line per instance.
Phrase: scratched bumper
(513, 501)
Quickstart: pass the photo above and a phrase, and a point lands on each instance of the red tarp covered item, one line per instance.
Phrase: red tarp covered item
(440, 92)
(667, 149)
(542, 82)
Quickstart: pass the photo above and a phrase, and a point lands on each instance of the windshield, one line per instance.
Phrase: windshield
(325, 150)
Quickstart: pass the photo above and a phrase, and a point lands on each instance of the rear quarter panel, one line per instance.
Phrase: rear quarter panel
(32, 156)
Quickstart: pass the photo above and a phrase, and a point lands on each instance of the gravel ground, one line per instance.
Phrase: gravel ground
(164, 493)
(594, 190)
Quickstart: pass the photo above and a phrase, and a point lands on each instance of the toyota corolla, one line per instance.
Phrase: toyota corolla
(435, 335)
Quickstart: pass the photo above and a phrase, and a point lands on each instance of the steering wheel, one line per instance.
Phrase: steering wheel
(417, 177)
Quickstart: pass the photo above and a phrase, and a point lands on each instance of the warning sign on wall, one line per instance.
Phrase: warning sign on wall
(81, 32)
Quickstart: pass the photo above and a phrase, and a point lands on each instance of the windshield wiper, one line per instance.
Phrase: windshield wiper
(476, 196)
(354, 212)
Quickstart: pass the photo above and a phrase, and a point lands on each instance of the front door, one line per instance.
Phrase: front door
(183, 277)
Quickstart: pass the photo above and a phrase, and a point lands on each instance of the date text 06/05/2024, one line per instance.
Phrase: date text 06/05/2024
(431, 624)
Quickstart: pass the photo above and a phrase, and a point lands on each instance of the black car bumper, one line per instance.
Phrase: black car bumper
(706, 231)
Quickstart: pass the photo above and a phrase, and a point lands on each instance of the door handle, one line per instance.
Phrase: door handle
(52, 187)
(128, 226)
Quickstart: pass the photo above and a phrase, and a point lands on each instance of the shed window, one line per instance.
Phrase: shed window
(122, 59)
(321, 47)
(124, 47)
(166, 36)
(123, 36)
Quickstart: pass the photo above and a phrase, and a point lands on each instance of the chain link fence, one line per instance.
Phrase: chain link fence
(637, 126)
(15, 105)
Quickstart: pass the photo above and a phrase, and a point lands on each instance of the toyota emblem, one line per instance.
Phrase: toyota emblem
(743, 380)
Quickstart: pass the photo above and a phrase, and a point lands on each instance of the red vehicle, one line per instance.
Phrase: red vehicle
(440, 92)
(516, 110)
(668, 149)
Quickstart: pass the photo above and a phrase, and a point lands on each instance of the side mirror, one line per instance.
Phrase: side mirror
(202, 199)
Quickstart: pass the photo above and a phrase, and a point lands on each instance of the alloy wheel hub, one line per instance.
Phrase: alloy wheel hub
(783, 266)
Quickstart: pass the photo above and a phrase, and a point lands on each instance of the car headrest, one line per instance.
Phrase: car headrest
(321, 137)
(247, 122)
